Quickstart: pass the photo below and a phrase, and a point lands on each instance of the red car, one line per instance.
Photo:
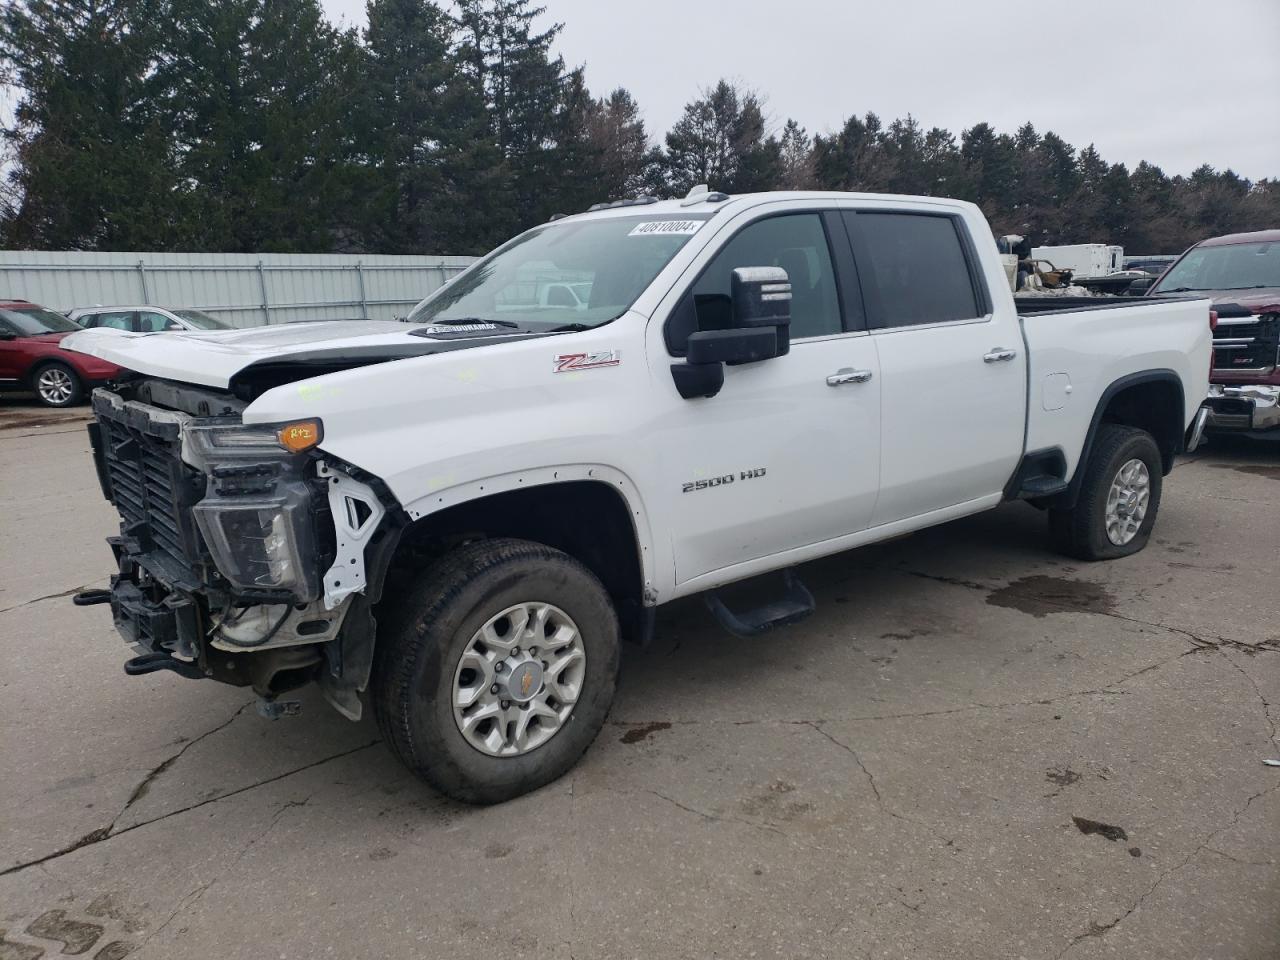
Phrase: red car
(30, 358)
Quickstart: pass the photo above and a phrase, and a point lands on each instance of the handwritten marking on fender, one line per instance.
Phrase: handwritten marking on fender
(572, 362)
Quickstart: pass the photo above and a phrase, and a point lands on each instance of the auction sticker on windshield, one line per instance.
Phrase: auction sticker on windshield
(652, 228)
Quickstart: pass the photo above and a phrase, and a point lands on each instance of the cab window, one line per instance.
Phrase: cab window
(795, 242)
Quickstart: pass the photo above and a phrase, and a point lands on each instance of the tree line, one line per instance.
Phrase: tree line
(257, 125)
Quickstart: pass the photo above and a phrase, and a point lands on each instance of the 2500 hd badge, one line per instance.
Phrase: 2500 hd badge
(724, 481)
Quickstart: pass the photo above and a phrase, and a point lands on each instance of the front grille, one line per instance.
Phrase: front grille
(151, 487)
(1246, 343)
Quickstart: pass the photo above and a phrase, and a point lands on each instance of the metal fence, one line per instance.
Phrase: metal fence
(243, 289)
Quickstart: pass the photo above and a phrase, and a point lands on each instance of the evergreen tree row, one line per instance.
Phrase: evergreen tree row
(256, 125)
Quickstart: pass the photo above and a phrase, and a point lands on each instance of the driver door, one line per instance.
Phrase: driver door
(786, 455)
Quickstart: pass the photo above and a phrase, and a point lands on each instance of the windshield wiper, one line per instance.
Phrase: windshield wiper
(572, 328)
(467, 321)
(1180, 290)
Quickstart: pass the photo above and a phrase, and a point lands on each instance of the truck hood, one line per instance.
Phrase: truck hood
(279, 354)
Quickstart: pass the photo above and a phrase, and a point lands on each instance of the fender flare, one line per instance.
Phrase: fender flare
(456, 494)
(1158, 375)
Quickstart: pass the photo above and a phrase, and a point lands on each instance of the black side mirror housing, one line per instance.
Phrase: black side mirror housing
(761, 298)
(1139, 287)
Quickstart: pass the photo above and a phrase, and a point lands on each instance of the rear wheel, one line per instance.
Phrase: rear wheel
(496, 669)
(1119, 497)
(57, 385)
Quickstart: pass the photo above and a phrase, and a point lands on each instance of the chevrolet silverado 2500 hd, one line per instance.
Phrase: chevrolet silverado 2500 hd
(459, 519)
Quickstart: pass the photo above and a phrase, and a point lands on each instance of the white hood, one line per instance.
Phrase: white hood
(212, 358)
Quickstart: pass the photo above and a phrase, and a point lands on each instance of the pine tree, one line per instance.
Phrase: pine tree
(427, 154)
(258, 102)
(92, 165)
(527, 88)
(719, 140)
(617, 136)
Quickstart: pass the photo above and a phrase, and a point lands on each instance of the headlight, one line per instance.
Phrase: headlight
(256, 516)
(205, 442)
(263, 544)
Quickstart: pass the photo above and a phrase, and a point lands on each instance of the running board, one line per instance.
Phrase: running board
(794, 607)
(1042, 486)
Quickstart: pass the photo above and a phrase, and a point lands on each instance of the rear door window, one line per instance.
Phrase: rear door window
(121, 320)
(917, 266)
(149, 322)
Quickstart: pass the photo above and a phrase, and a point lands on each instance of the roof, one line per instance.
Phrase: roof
(1258, 236)
(699, 204)
(97, 308)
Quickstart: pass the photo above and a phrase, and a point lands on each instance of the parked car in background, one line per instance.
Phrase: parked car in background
(31, 359)
(146, 319)
(1154, 264)
(1241, 274)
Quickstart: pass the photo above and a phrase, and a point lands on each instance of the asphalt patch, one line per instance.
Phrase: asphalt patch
(1040, 596)
(1108, 830)
(641, 731)
(1256, 469)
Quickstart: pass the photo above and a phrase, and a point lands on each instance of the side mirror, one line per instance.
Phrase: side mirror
(761, 303)
(1139, 287)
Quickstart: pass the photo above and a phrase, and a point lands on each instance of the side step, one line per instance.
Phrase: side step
(1042, 486)
(794, 607)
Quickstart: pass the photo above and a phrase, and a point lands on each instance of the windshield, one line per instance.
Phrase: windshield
(563, 275)
(1236, 266)
(37, 320)
(198, 318)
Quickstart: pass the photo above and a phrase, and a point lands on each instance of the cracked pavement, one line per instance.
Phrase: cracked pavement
(895, 777)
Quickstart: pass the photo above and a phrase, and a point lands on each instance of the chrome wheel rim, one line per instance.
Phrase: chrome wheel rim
(1127, 502)
(518, 679)
(54, 385)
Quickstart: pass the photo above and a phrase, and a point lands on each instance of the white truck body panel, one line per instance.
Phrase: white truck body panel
(935, 433)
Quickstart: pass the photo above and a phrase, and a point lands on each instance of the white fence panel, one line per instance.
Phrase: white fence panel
(242, 288)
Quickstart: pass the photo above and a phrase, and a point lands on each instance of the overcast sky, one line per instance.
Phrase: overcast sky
(1174, 82)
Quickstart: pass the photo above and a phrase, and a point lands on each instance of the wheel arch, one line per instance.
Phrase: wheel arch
(1151, 400)
(589, 511)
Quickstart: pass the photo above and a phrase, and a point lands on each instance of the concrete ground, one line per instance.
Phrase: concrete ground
(974, 749)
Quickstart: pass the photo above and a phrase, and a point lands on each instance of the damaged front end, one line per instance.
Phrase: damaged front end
(242, 554)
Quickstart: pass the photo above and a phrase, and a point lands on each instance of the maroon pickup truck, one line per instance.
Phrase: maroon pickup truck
(1241, 273)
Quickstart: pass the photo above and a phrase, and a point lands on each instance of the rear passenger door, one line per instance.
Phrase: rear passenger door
(953, 374)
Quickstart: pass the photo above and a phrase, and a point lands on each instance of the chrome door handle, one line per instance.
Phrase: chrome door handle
(848, 375)
(998, 354)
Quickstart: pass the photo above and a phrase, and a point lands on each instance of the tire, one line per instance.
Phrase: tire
(1082, 531)
(419, 666)
(57, 385)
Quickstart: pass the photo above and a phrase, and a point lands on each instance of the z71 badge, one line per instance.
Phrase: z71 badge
(570, 362)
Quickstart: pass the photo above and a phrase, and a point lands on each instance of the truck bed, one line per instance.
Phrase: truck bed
(1078, 346)
(1041, 306)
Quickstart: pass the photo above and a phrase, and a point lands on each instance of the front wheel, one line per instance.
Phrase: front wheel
(1119, 497)
(57, 385)
(496, 669)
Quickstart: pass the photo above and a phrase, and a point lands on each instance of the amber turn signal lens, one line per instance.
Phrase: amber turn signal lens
(300, 436)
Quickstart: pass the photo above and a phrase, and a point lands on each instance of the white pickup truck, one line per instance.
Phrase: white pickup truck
(460, 518)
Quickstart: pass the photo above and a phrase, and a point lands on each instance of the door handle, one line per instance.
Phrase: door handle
(998, 354)
(848, 375)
